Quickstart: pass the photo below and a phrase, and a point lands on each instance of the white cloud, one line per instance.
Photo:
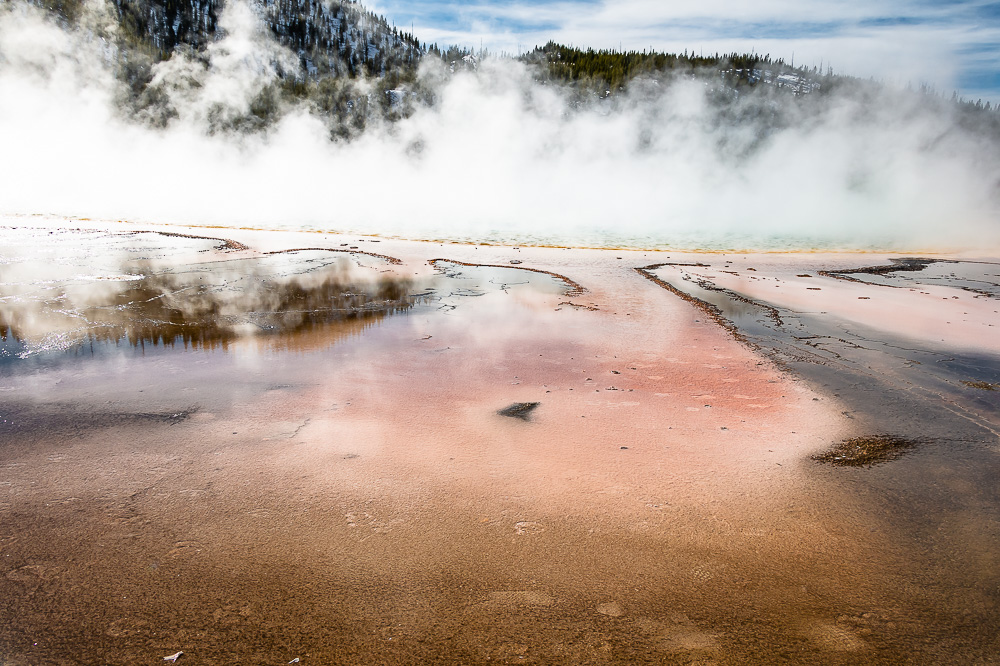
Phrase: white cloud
(901, 41)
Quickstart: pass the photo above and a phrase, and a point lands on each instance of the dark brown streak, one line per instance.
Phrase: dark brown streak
(712, 311)
(391, 260)
(575, 289)
(910, 264)
(226, 244)
(229, 245)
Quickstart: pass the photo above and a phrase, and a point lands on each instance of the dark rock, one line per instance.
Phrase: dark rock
(519, 410)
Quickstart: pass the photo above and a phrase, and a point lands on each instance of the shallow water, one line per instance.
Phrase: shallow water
(976, 276)
(940, 500)
(815, 341)
(341, 486)
(98, 293)
(749, 318)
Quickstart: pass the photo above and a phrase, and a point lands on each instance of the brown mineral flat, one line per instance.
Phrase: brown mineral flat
(351, 495)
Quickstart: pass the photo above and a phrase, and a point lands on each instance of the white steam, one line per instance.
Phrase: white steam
(498, 157)
(238, 68)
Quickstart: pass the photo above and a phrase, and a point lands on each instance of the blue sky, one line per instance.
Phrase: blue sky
(949, 44)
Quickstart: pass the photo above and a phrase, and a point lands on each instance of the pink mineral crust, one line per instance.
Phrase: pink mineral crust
(369, 504)
(954, 318)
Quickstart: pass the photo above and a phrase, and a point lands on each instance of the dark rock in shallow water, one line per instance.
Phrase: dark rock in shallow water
(519, 410)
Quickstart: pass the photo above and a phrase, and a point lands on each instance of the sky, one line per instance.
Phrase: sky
(951, 45)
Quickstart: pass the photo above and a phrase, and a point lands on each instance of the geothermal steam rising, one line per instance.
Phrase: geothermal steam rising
(59, 290)
(498, 156)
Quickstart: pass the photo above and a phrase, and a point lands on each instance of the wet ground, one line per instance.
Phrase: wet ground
(262, 449)
(876, 353)
(907, 380)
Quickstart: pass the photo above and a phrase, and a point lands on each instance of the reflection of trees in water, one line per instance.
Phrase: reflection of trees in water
(193, 310)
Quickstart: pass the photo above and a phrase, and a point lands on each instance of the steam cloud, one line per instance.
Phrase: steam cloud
(497, 157)
(113, 287)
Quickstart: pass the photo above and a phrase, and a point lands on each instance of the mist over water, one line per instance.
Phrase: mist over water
(100, 292)
(497, 157)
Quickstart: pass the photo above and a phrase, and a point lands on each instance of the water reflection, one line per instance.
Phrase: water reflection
(72, 293)
(478, 279)
(979, 277)
(114, 295)
(740, 315)
(905, 377)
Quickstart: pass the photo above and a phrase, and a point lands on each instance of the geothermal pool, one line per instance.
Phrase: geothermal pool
(263, 446)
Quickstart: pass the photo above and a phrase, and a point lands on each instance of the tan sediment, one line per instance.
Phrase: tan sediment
(369, 505)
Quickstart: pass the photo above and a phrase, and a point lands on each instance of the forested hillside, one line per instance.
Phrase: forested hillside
(608, 73)
(352, 66)
(331, 37)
